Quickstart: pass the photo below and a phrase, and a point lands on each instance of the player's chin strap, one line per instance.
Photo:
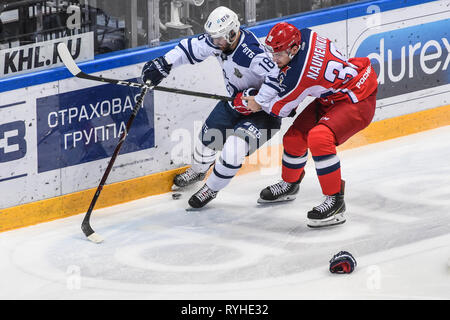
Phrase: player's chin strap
(291, 56)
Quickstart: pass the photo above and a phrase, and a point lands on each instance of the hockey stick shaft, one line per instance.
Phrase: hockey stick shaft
(67, 59)
(85, 225)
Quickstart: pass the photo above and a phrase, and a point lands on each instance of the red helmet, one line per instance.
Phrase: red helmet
(282, 36)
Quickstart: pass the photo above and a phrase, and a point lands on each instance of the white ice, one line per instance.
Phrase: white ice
(398, 229)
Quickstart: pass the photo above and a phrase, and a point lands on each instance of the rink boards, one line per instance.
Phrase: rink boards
(57, 133)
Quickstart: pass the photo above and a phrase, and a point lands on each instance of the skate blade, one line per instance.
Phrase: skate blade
(284, 199)
(191, 209)
(189, 188)
(333, 221)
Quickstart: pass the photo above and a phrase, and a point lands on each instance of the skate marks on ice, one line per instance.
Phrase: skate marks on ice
(160, 250)
(160, 246)
(237, 249)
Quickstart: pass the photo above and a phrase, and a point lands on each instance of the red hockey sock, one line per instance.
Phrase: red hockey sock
(294, 156)
(293, 167)
(322, 143)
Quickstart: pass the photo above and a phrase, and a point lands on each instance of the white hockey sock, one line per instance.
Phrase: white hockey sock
(203, 157)
(234, 151)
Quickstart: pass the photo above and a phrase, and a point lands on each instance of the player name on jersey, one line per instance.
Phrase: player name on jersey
(317, 58)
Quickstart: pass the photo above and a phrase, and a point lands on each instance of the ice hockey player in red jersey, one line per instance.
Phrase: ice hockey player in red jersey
(345, 92)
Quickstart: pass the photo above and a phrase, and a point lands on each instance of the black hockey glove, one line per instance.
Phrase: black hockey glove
(342, 262)
(156, 70)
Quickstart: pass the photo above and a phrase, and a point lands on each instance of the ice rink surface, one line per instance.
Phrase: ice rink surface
(398, 229)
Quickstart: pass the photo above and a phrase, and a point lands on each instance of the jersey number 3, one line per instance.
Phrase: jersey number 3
(336, 69)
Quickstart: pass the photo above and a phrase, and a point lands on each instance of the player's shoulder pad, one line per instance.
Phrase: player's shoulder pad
(249, 48)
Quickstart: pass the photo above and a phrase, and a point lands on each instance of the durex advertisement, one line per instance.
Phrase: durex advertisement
(409, 59)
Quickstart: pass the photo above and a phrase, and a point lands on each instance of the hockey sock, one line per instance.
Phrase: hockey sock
(293, 166)
(203, 157)
(230, 161)
(322, 143)
(295, 155)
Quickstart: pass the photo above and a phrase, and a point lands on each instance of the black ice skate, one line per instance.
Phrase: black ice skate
(330, 212)
(202, 197)
(281, 191)
(188, 177)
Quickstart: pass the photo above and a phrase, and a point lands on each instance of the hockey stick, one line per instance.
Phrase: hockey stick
(85, 225)
(67, 59)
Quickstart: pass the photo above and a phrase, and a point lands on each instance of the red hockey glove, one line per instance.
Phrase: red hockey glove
(241, 105)
(342, 262)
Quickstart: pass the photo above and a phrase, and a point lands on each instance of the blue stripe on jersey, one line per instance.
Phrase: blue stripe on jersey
(296, 65)
(235, 89)
(250, 46)
(273, 86)
(352, 99)
(326, 94)
(192, 52)
(186, 53)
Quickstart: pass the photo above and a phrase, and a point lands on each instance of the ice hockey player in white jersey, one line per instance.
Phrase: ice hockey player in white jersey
(246, 64)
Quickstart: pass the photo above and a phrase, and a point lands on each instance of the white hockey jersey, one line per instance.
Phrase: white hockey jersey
(246, 67)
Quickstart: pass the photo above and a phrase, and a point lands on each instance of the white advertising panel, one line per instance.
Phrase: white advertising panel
(43, 55)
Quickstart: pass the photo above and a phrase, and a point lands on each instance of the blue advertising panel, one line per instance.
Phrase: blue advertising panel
(409, 59)
(85, 125)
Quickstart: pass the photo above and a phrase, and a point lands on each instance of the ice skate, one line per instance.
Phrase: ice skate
(330, 212)
(201, 197)
(281, 191)
(187, 178)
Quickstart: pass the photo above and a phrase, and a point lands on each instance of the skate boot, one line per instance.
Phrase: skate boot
(188, 177)
(330, 212)
(202, 197)
(281, 191)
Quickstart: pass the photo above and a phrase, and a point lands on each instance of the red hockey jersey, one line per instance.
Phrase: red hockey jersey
(317, 70)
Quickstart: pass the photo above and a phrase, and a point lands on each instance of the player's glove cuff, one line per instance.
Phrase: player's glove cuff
(342, 262)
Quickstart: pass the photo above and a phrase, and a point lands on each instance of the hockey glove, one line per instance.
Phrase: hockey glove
(156, 70)
(342, 262)
(241, 105)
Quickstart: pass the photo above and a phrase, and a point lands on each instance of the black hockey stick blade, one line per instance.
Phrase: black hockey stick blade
(90, 233)
(70, 64)
(85, 225)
